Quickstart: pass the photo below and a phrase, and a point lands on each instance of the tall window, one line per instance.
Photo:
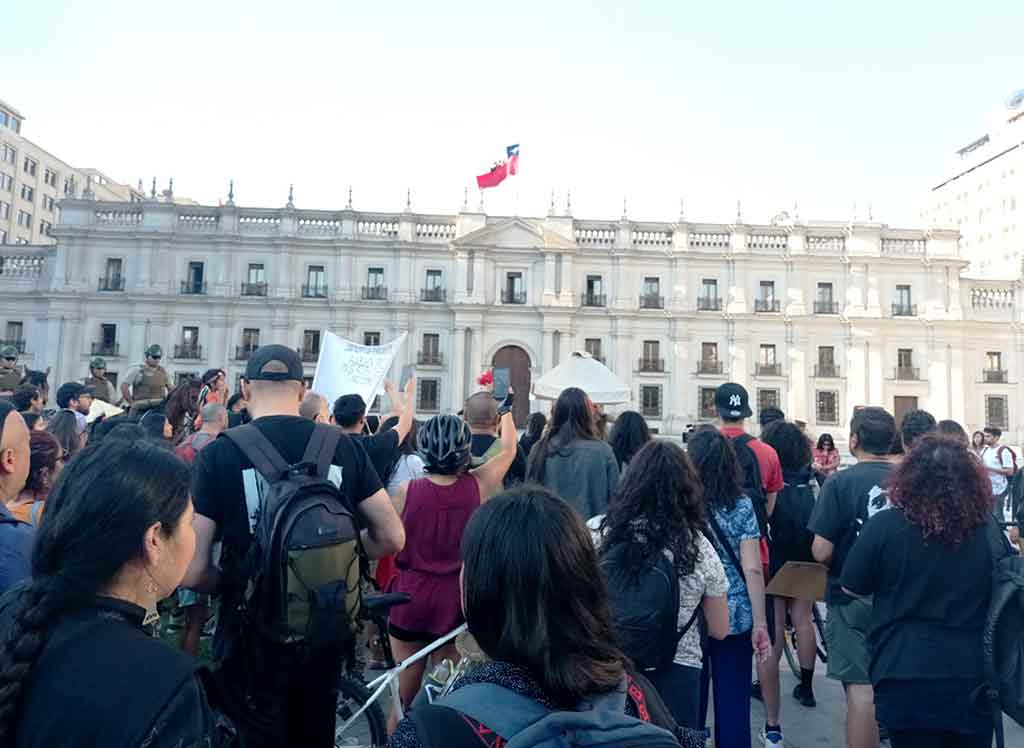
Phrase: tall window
(25, 219)
(257, 274)
(115, 267)
(650, 400)
(767, 398)
(432, 288)
(5, 210)
(825, 303)
(27, 193)
(707, 402)
(190, 336)
(594, 295)
(375, 277)
(593, 347)
(195, 276)
(903, 296)
(827, 406)
(429, 395)
(250, 339)
(652, 286)
(431, 345)
(108, 334)
(652, 350)
(826, 356)
(997, 411)
(994, 361)
(310, 343)
(49, 204)
(905, 358)
(8, 154)
(766, 292)
(709, 352)
(31, 166)
(15, 332)
(709, 288)
(371, 338)
(767, 355)
(6, 182)
(515, 291)
(316, 280)
(433, 280)
(50, 177)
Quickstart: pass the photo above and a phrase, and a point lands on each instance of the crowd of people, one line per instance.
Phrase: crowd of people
(615, 584)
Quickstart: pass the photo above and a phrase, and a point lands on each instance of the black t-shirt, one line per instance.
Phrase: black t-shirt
(382, 449)
(517, 470)
(847, 500)
(930, 599)
(217, 491)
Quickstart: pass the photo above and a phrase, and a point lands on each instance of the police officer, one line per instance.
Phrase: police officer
(10, 376)
(147, 386)
(102, 388)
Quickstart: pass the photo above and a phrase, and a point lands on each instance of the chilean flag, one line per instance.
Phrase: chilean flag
(501, 170)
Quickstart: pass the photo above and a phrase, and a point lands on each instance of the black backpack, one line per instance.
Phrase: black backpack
(304, 563)
(645, 608)
(1003, 638)
(791, 539)
(753, 487)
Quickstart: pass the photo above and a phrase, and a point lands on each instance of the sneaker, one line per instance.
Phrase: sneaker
(772, 738)
(804, 695)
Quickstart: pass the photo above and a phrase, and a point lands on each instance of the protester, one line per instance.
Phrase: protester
(481, 414)
(540, 613)
(15, 462)
(847, 501)
(214, 420)
(315, 407)
(45, 463)
(97, 382)
(147, 385)
(38, 379)
(214, 391)
(768, 416)
(826, 458)
(34, 421)
(157, 427)
(408, 465)
(26, 399)
(761, 480)
(629, 434)
(278, 694)
(117, 538)
(10, 377)
(435, 510)
(127, 430)
(534, 430)
(570, 459)
(737, 539)
(978, 443)
(382, 446)
(916, 423)
(927, 565)
(75, 397)
(658, 510)
(69, 433)
(791, 541)
(954, 429)
(1000, 464)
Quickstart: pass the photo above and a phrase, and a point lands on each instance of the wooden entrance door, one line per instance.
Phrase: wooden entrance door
(900, 405)
(517, 362)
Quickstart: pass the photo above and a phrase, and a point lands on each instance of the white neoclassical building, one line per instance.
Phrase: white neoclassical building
(814, 317)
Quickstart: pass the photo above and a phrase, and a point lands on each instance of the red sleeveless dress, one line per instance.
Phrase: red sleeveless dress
(428, 567)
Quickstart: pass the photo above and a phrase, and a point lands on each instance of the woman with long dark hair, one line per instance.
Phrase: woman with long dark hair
(117, 538)
(571, 460)
(928, 565)
(539, 611)
(64, 426)
(658, 510)
(737, 539)
(629, 434)
(978, 443)
(826, 458)
(157, 427)
(45, 463)
(534, 430)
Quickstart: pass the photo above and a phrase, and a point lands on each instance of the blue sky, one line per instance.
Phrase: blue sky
(826, 103)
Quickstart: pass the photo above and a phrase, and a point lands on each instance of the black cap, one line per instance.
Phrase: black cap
(732, 401)
(274, 363)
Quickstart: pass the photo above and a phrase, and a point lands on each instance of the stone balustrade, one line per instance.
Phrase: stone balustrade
(817, 244)
(595, 235)
(902, 247)
(200, 223)
(719, 241)
(435, 232)
(772, 243)
(319, 227)
(991, 295)
(19, 263)
(377, 228)
(119, 217)
(662, 238)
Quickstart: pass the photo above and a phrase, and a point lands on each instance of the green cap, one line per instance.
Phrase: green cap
(9, 351)
(155, 351)
(98, 363)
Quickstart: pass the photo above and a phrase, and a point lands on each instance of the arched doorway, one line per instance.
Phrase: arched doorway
(517, 361)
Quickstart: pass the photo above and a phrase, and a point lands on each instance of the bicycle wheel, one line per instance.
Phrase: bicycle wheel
(789, 650)
(369, 729)
(819, 625)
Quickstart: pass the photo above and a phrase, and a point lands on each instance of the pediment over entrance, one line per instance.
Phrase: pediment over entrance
(514, 233)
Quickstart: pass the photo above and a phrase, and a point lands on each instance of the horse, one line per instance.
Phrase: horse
(181, 407)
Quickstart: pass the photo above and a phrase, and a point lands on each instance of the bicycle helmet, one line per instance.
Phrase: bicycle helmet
(444, 443)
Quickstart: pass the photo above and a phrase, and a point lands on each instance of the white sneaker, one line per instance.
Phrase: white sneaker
(772, 738)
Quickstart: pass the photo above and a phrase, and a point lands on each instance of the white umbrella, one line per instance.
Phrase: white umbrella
(584, 371)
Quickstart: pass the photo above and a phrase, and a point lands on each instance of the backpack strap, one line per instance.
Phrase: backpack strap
(724, 541)
(258, 449)
(323, 443)
(501, 710)
(33, 513)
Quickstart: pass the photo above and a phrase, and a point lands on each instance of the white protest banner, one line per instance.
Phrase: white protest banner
(101, 409)
(347, 368)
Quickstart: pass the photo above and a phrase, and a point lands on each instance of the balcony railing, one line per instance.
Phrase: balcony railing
(254, 289)
(188, 351)
(309, 355)
(768, 370)
(429, 358)
(995, 376)
(770, 306)
(911, 373)
(193, 288)
(112, 283)
(708, 366)
(375, 293)
(904, 310)
(434, 294)
(826, 307)
(826, 371)
(650, 411)
(594, 299)
(709, 304)
(243, 352)
(18, 345)
(509, 296)
(651, 364)
(314, 292)
(650, 301)
(103, 348)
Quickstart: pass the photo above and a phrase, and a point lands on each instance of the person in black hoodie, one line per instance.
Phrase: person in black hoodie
(77, 666)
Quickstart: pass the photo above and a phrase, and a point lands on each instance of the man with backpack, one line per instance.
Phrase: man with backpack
(1000, 465)
(481, 413)
(298, 506)
(848, 500)
(762, 480)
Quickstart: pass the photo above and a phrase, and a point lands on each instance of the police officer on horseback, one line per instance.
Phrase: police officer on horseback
(146, 386)
(102, 388)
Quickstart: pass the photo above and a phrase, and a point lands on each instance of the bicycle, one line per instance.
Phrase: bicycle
(789, 644)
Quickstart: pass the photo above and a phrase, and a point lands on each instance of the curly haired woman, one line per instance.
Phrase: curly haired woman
(928, 565)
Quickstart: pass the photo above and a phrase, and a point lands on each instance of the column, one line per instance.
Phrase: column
(549, 279)
(547, 351)
(856, 373)
(874, 368)
(799, 404)
(567, 294)
(458, 369)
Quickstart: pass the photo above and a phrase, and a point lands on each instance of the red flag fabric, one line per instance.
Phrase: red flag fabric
(494, 177)
(513, 165)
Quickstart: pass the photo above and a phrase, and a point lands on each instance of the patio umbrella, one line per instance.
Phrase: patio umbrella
(590, 375)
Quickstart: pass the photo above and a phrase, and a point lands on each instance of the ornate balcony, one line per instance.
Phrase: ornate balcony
(314, 292)
(767, 306)
(188, 351)
(904, 310)
(768, 370)
(655, 365)
(826, 307)
(254, 289)
(509, 296)
(908, 373)
(429, 358)
(113, 283)
(436, 295)
(710, 366)
(650, 301)
(826, 371)
(103, 348)
(594, 299)
(995, 376)
(375, 293)
(709, 303)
